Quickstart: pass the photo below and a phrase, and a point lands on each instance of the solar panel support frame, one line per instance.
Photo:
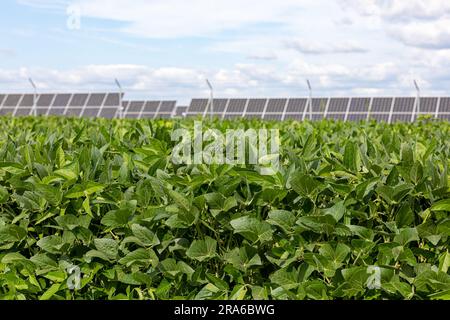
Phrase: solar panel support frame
(391, 113)
(283, 117)
(51, 105)
(347, 111)
(66, 108)
(263, 115)
(142, 111)
(158, 109)
(99, 112)
(370, 109)
(85, 104)
(325, 114)
(18, 104)
(33, 110)
(244, 113)
(225, 110)
(438, 107)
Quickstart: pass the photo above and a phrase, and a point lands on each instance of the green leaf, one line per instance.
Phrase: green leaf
(443, 205)
(406, 236)
(109, 247)
(202, 250)
(252, 229)
(85, 189)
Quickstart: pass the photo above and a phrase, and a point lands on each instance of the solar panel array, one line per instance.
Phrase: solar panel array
(110, 105)
(149, 109)
(347, 109)
(89, 105)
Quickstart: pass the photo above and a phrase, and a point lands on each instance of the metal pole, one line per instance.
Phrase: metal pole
(310, 99)
(120, 98)
(212, 98)
(417, 104)
(33, 110)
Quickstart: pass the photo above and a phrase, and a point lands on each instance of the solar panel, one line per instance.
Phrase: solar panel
(273, 116)
(108, 113)
(61, 100)
(444, 105)
(12, 100)
(336, 116)
(276, 105)
(112, 100)
(45, 100)
(90, 112)
(256, 106)
(27, 101)
(380, 116)
(168, 107)
(180, 111)
(253, 115)
(96, 100)
(198, 106)
(357, 116)
(338, 105)
(319, 105)
(401, 118)
(2, 97)
(294, 116)
(56, 111)
(74, 112)
(78, 100)
(220, 105)
(445, 116)
(381, 105)
(151, 106)
(236, 106)
(360, 105)
(41, 111)
(404, 105)
(135, 106)
(296, 106)
(7, 111)
(428, 105)
(22, 111)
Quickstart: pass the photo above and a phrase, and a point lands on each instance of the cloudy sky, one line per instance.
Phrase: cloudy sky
(251, 48)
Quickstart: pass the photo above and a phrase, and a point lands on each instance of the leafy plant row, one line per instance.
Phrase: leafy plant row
(357, 211)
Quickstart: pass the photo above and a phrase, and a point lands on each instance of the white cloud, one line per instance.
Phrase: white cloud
(315, 47)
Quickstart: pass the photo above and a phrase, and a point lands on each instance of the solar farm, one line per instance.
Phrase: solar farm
(93, 207)
(113, 105)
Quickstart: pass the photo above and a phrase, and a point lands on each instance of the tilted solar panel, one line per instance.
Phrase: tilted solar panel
(45, 100)
(401, 118)
(336, 116)
(112, 100)
(359, 105)
(428, 105)
(108, 113)
(237, 106)
(61, 100)
(444, 105)
(296, 106)
(151, 106)
(198, 106)
(357, 116)
(381, 105)
(12, 100)
(74, 112)
(256, 106)
(220, 105)
(56, 111)
(2, 97)
(276, 105)
(273, 116)
(90, 112)
(404, 104)
(167, 107)
(180, 111)
(96, 100)
(380, 116)
(78, 100)
(338, 105)
(319, 105)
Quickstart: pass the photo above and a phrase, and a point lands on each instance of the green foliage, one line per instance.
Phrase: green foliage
(104, 196)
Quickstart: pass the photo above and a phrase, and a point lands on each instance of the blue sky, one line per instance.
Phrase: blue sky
(252, 48)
